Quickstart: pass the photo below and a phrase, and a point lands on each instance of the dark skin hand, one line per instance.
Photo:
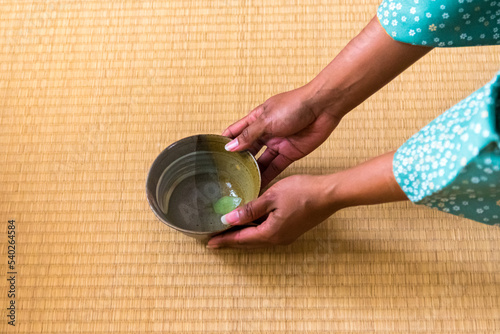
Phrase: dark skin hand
(298, 203)
(293, 124)
(288, 127)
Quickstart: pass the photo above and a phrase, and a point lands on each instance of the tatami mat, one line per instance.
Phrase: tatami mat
(92, 91)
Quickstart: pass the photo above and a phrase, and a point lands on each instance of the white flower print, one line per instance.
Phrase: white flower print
(428, 15)
(413, 10)
(438, 160)
(466, 16)
(385, 22)
(399, 6)
(403, 18)
(446, 15)
(442, 6)
(392, 6)
(394, 34)
(481, 19)
(417, 19)
(394, 22)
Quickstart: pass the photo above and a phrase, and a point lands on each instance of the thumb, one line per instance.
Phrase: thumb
(248, 212)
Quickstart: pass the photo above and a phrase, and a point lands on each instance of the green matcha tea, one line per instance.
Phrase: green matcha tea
(196, 191)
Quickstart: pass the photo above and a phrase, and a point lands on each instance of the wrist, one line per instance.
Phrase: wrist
(330, 192)
(326, 96)
(366, 64)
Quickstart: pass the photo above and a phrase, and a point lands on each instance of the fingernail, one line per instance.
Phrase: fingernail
(212, 246)
(230, 218)
(231, 145)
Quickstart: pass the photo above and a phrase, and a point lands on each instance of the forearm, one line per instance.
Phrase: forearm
(366, 64)
(371, 182)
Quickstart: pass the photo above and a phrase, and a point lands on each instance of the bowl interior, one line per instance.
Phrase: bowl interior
(192, 179)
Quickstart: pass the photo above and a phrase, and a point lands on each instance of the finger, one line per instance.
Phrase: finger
(249, 237)
(248, 212)
(237, 127)
(252, 129)
(248, 137)
(266, 158)
(274, 169)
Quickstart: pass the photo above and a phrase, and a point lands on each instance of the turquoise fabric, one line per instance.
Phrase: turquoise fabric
(442, 23)
(453, 163)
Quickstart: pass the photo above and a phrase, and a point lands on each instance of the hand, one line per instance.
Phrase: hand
(297, 203)
(294, 123)
(293, 206)
(287, 124)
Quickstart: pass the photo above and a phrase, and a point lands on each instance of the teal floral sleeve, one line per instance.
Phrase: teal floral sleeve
(442, 23)
(453, 163)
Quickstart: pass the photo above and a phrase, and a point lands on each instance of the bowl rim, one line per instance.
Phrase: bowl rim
(171, 146)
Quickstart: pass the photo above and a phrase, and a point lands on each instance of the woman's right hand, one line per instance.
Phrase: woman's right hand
(294, 123)
(289, 127)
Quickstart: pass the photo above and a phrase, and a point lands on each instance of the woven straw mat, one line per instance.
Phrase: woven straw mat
(92, 91)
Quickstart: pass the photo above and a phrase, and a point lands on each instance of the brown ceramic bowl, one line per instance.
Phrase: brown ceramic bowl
(191, 175)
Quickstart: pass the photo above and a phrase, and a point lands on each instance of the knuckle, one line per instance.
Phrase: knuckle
(267, 239)
(269, 196)
(245, 134)
(276, 240)
(229, 132)
(238, 239)
(249, 210)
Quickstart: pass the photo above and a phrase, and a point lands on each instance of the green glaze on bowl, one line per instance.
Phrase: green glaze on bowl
(226, 204)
